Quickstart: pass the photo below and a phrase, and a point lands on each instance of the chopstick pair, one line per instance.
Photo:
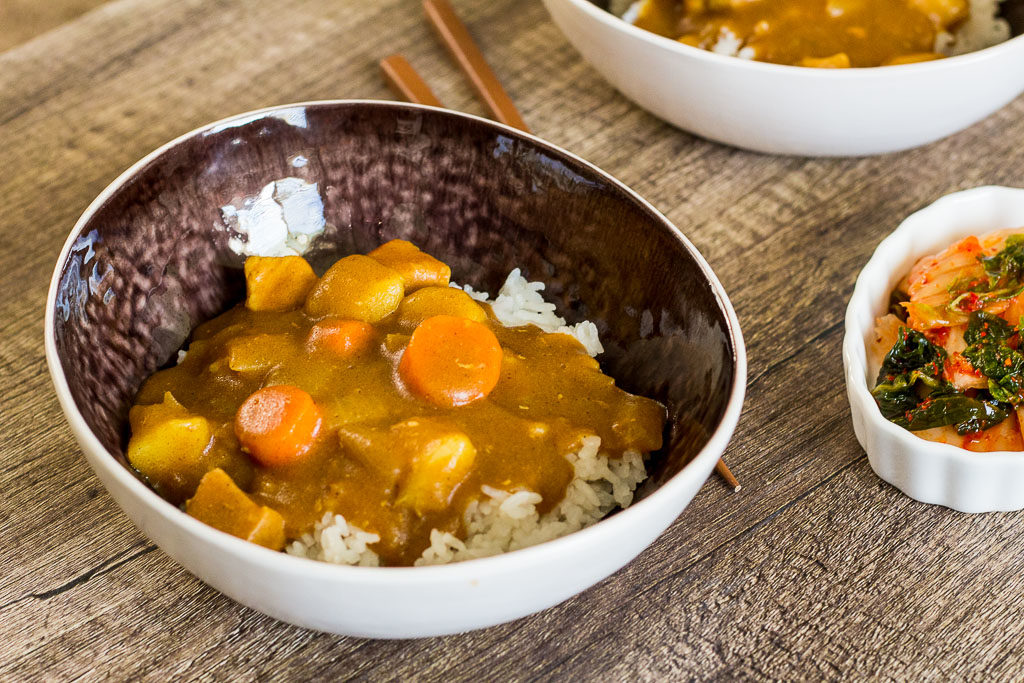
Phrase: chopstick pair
(408, 84)
(402, 77)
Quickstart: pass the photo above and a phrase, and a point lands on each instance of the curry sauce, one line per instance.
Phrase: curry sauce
(392, 460)
(822, 33)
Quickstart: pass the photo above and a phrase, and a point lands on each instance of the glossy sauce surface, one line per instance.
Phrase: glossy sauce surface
(810, 32)
(549, 395)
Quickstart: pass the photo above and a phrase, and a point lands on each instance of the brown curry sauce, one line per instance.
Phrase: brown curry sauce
(550, 394)
(833, 33)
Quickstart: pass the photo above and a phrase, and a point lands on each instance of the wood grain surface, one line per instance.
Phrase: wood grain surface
(21, 20)
(816, 569)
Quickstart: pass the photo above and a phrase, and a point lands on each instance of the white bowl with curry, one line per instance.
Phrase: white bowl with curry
(836, 78)
(389, 371)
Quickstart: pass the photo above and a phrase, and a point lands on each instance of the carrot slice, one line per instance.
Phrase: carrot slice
(277, 425)
(451, 361)
(346, 338)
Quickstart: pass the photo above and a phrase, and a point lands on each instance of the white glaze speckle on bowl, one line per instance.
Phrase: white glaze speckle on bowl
(927, 471)
(787, 109)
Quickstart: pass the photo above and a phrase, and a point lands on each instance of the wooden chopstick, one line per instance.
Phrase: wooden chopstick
(467, 55)
(402, 77)
(725, 473)
(406, 83)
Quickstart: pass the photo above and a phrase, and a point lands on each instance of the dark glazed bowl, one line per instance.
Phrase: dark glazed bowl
(151, 258)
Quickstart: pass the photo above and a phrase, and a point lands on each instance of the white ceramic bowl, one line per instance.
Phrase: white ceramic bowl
(787, 109)
(924, 470)
(150, 252)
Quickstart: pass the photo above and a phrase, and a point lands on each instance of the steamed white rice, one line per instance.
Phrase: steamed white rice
(519, 302)
(983, 29)
(504, 520)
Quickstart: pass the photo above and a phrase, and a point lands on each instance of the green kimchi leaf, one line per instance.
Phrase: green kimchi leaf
(991, 341)
(968, 414)
(1006, 269)
(912, 351)
(912, 392)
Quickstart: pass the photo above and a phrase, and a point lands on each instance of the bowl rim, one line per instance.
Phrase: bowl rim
(855, 351)
(505, 562)
(855, 73)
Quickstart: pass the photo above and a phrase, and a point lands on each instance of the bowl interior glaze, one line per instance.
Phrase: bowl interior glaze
(151, 260)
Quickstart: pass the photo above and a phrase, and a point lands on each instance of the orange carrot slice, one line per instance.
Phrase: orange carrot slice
(451, 361)
(278, 425)
(345, 338)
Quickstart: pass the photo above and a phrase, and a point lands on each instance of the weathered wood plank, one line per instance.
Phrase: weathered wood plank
(22, 20)
(816, 569)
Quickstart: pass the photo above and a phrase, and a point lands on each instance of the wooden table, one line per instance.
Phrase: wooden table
(816, 569)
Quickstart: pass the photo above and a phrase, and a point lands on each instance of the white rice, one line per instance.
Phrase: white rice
(508, 520)
(982, 29)
(728, 43)
(502, 520)
(505, 520)
(519, 302)
(334, 540)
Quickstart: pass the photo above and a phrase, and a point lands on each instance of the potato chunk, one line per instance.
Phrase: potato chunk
(277, 283)
(840, 60)
(441, 457)
(944, 13)
(913, 58)
(357, 407)
(167, 445)
(375, 448)
(418, 269)
(258, 353)
(221, 504)
(430, 301)
(425, 459)
(358, 288)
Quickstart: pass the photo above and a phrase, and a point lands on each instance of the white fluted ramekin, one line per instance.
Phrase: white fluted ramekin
(927, 471)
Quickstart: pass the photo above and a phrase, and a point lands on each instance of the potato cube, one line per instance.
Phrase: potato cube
(167, 444)
(277, 283)
(221, 504)
(945, 13)
(425, 458)
(258, 353)
(662, 17)
(913, 58)
(431, 301)
(840, 60)
(357, 407)
(358, 288)
(440, 458)
(418, 269)
(376, 449)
